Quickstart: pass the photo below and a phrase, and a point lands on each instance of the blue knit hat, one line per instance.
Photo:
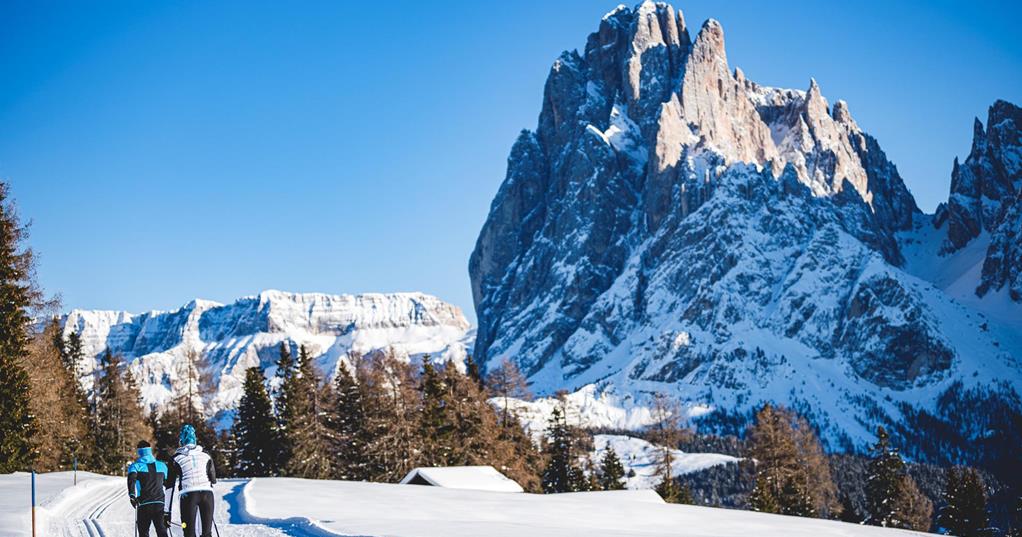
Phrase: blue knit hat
(187, 435)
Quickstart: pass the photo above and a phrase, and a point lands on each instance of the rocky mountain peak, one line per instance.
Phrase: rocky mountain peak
(986, 184)
(672, 225)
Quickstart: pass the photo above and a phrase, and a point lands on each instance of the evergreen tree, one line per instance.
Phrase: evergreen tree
(763, 498)
(892, 497)
(18, 295)
(948, 517)
(255, 430)
(848, 511)
(309, 423)
(350, 427)
(684, 495)
(282, 377)
(562, 473)
(612, 472)
(283, 380)
(472, 370)
(965, 512)
(437, 426)
(119, 418)
(1016, 520)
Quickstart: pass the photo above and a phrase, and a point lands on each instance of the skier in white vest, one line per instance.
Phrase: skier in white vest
(194, 472)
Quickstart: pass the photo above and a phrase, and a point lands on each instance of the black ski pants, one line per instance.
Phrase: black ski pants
(201, 502)
(150, 514)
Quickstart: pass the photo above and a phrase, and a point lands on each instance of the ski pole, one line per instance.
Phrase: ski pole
(136, 521)
(217, 528)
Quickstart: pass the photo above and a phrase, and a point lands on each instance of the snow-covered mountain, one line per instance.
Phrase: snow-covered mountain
(249, 332)
(671, 225)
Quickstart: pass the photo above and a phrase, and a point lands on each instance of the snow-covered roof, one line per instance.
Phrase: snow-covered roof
(463, 477)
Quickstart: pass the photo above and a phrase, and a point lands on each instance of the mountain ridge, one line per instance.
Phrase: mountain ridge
(249, 331)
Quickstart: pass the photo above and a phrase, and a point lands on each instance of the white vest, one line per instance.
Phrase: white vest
(193, 463)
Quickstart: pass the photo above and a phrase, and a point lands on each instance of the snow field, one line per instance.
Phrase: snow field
(348, 508)
(275, 507)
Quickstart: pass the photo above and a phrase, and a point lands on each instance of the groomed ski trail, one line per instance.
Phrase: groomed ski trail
(102, 510)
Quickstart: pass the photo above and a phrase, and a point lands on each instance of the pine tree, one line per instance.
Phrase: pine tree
(1016, 520)
(437, 426)
(350, 427)
(763, 498)
(964, 513)
(119, 419)
(283, 379)
(562, 473)
(848, 511)
(18, 295)
(309, 423)
(948, 517)
(472, 370)
(284, 373)
(255, 430)
(892, 497)
(612, 472)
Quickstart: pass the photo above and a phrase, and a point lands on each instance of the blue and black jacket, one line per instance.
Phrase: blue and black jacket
(146, 477)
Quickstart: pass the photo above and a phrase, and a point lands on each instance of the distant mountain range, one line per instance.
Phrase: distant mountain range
(249, 331)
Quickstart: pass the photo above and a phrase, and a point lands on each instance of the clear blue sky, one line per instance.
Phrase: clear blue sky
(169, 150)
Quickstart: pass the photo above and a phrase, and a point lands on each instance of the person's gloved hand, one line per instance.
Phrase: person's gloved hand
(134, 502)
(166, 520)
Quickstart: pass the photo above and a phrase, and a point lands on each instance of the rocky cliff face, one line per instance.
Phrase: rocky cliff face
(673, 226)
(985, 200)
(249, 332)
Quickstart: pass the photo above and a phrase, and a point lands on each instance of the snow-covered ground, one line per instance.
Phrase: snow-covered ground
(640, 457)
(275, 507)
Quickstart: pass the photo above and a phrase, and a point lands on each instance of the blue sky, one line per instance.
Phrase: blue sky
(172, 150)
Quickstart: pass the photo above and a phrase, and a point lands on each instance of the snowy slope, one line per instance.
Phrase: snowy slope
(274, 507)
(640, 457)
(249, 331)
(347, 508)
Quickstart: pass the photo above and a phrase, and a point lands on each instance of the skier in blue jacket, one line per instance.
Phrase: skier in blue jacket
(146, 492)
(193, 470)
